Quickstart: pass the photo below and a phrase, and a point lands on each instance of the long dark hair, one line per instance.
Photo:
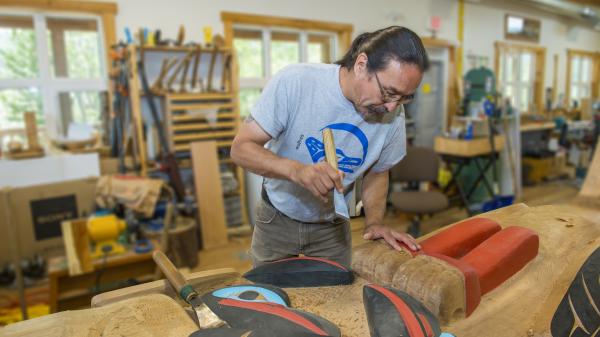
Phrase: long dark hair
(391, 43)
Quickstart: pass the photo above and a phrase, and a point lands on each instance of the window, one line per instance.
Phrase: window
(519, 71)
(516, 81)
(265, 45)
(581, 77)
(263, 51)
(54, 65)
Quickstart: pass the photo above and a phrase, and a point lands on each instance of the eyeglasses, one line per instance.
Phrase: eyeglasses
(389, 98)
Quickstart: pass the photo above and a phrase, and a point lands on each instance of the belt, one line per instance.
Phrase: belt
(265, 197)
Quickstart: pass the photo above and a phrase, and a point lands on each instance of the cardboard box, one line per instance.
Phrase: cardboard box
(36, 212)
(537, 169)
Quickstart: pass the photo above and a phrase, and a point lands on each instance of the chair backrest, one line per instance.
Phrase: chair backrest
(419, 164)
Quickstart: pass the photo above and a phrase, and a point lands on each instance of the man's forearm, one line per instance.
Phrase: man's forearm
(374, 197)
(261, 161)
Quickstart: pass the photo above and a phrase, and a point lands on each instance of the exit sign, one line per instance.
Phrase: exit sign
(435, 23)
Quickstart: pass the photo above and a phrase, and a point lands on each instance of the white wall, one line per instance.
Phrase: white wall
(484, 24)
(365, 16)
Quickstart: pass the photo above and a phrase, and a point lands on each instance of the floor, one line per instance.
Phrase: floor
(234, 254)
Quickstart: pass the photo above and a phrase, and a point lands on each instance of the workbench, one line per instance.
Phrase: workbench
(460, 153)
(71, 292)
(541, 126)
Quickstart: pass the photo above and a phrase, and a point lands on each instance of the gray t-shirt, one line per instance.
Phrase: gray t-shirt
(295, 106)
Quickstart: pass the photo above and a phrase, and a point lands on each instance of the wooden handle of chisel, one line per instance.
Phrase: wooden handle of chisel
(329, 145)
(186, 68)
(195, 68)
(168, 269)
(180, 36)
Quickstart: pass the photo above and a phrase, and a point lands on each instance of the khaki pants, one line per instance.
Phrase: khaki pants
(277, 237)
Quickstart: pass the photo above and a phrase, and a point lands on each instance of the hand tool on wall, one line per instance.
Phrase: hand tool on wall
(186, 69)
(119, 84)
(180, 36)
(178, 69)
(206, 318)
(167, 64)
(146, 37)
(195, 68)
(341, 208)
(141, 36)
(168, 158)
(128, 36)
(208, 35)
(211, 68)
(151, 39)
(136, 106)
(157, 38)
(217, 43)
(226, 74)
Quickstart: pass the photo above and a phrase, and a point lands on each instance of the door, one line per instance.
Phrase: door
(427, 110)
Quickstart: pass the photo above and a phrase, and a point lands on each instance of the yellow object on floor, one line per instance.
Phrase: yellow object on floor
(13, 315)
(444, 177)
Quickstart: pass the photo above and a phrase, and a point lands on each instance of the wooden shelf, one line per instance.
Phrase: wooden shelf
(204, 136)
(202, 106)
(186, 147)
(203, 117)
(179, 49)
(204, 126)
(189, 116)
(537, 126)
(201, 96)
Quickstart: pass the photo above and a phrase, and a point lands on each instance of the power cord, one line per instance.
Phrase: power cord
(105, 250)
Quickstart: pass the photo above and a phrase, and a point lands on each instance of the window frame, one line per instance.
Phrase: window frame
(594, 78)
(500, 48)
(341, 38)
(266, 36)
(48, 85)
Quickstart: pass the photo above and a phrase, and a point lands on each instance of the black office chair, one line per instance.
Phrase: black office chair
(419, 165)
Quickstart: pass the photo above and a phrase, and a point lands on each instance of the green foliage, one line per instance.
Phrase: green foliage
(249, 53)
(83, 55)
(17, 53)
(283, 53)
(83, 61)
(247, 99)
(85, 106)
(18, 60)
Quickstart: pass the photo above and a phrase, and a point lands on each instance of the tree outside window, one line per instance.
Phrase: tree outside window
(64, 75)
(263, 51)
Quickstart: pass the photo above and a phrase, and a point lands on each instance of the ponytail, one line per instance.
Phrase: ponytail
(391, 43)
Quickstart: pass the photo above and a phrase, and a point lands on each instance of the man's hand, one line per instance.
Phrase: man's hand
(319, 179)
(391, 236)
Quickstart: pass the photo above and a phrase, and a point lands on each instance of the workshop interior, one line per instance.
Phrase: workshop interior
(157, 178)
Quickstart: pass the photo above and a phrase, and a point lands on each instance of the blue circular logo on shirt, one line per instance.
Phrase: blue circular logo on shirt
(346, 163)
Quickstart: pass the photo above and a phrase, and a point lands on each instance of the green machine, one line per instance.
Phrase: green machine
(480, 83)
(481, 97)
